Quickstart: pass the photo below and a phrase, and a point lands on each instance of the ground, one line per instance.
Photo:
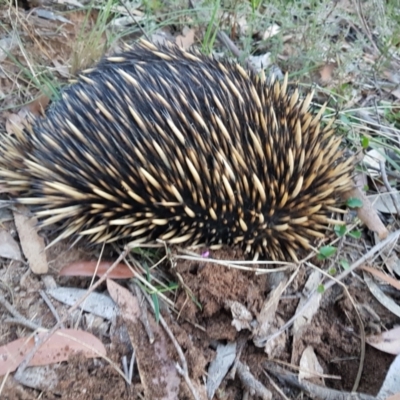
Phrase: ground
(183, 308)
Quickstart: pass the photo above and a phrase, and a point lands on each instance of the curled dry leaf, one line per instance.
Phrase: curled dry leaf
(310, 368)
(388, 341)
(242, 317)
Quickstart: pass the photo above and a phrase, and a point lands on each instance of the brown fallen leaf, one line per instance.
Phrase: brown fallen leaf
(379, 274)
(59, 347)
(185, 40)
(32, 244)
(326, 73)
(38, 106)
(88, 268)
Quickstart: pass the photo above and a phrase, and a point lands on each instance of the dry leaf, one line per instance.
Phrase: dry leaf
(386, 301)
(38, 106)
(379, 274)
(219, 367)
(96, 303)
(32, 244)
(373, 158)
(391, 385)
(186, 40)
(304, 320)
(326, 73)
(242, 317)
(89, 268)
(310, 368)
(388, 341)
(14, 123)
(386, 202)
(59, 347)
(271, 31)
(9, 247)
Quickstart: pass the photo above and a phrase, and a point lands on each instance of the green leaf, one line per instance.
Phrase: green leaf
(364, 142)
(321, 288)
(345, 264)
(332, 271)
(354, 202)
(156, 307)
(340, 230)
(325, 252)
(356, 234)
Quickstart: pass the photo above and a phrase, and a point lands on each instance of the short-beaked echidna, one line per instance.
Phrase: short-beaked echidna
(162, 143)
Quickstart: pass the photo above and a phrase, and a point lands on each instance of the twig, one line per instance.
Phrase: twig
(51, 307)
(251, 383)
(143, 314)
(18, 318)
(313, 389)
(276, 387)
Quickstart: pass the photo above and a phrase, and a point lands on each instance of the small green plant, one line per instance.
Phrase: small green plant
(326, 252)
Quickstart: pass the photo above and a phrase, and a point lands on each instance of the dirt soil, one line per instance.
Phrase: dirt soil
(333, 332)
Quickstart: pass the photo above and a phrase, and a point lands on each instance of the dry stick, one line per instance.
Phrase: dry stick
(251, 383)
(18, 318)
(42, 340)
(317, 391)
(275, 386)
(136, 21)
(51, 307)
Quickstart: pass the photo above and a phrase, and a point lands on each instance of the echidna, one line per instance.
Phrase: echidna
(162, 143)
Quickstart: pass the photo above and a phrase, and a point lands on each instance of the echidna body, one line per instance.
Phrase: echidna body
(162, 143)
